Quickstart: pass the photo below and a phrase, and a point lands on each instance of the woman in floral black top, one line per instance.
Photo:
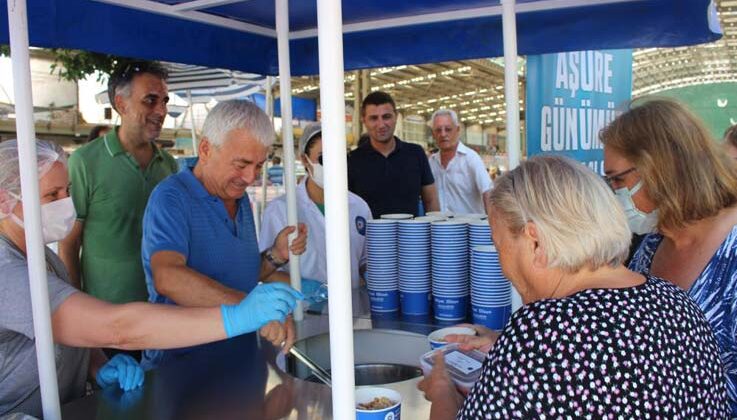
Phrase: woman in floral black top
(594, 340)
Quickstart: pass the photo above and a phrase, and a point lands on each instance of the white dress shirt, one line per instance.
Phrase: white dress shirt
(462, 183)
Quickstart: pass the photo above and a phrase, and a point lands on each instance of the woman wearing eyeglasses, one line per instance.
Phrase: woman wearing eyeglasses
(680, 189)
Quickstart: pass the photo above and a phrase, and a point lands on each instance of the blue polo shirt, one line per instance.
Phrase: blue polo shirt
(181, 216)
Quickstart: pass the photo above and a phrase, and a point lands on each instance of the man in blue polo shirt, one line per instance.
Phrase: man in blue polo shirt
(199, 240)
(389, 174)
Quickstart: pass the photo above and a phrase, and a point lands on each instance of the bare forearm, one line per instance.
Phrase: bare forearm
(83, 321)
(267, 269)
(143, 325)
(430, 198)
(187, 287)
(280, 276)
(431, 203)
(69, 254)
(445, 408)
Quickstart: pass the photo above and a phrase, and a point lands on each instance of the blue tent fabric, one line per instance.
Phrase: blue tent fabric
(102, 27)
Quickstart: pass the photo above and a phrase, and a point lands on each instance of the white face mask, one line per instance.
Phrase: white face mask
(639, 222)
(316, 174)
(57, 219)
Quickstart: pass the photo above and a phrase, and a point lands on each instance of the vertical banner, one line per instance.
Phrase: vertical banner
(571, 96)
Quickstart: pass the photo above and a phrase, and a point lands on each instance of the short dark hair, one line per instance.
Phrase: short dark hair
(377, 98)
(125, 71)
(95, 132)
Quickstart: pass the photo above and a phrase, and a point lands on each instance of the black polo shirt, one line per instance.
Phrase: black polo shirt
(389, 184)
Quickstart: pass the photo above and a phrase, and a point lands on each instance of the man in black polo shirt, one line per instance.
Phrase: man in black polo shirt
(389, 174)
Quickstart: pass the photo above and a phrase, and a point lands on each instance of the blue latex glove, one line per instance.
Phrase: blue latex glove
(266, 302)
(314, 291)
(123, 370)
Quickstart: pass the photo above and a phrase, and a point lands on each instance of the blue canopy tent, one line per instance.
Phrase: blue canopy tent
(256, 36)
(242, 36)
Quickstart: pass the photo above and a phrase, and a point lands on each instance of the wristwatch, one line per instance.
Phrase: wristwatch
(272, 259)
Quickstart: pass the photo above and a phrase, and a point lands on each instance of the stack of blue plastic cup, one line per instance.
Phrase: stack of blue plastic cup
(491, 292)
(382, 274)
(450, 270)
(414, 266)
(479, 233)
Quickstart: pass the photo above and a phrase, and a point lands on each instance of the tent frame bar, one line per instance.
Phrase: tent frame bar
(189, 6)
(207, 18)
(184, 11)
(455, 15)
(28, 165)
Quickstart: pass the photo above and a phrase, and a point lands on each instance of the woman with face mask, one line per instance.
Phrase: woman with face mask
(676, 185)
(311, 212)
(80, 321)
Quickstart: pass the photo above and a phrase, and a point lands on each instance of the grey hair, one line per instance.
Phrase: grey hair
(238, 114)
(47, 153)
(578, 219)
(449, 112)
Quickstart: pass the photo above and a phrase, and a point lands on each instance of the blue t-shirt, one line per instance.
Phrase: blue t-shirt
(181, 216)
(714, 292)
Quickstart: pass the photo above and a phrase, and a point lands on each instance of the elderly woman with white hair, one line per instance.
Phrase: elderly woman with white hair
(593, 339)
(81, 321)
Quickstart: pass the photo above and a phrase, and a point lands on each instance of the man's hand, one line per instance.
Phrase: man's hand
(281, 243)
(278, 333)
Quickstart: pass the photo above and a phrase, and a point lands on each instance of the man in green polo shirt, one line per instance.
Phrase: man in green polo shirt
(111, 179)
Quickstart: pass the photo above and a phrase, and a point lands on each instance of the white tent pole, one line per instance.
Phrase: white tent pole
(191, 122)
(290, 180)
(332, 103)
(511, 95)
(270, 112)
(18, 23)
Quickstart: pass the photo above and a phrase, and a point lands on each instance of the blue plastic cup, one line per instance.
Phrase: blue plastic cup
(494, 318)
(366, 395)
(384, 300)
(450, 308)
(414, 303)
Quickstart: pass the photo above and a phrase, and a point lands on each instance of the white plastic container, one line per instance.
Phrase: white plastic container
(464, 367)
(437, 337)
(396, 216)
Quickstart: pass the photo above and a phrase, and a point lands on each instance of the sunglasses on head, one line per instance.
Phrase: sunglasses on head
(131, 69)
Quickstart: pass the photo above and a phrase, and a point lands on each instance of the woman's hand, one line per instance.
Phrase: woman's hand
(441, 391)
(438, 384)
(482, 342)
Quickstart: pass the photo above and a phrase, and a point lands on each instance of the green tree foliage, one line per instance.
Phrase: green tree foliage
(74, 65)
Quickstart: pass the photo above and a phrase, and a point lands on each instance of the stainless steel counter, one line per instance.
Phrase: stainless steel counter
(241, 379)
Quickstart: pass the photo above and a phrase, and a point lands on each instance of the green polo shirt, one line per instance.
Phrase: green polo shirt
(110, 192)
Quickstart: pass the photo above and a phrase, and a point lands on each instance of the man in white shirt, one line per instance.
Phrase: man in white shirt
(460, 174)
(311, 212)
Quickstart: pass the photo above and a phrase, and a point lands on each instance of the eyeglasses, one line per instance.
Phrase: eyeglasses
(618, 177)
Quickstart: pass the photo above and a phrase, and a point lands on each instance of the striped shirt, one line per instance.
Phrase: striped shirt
(714, 292)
